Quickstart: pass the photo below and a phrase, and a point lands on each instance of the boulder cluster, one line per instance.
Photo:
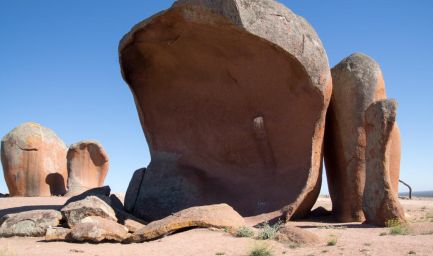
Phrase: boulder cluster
(36, 162)
(239, 108)
(96, 216)
(234, 97)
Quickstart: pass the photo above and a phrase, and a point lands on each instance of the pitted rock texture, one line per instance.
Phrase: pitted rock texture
(74, 212)
(98, 229)
(357, 83)
(30, 223)
(380, 201)
(209, 216)
(57, 234)
(34, 161)
(226, 113)
(88, 165)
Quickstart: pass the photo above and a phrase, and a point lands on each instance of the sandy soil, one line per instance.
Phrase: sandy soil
(352, 238)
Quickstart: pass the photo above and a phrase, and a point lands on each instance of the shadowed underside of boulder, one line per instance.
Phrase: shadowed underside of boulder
(228, 117)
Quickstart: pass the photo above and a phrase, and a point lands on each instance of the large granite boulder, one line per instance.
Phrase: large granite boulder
(34, 161)
(209, 216)
(380, 201)
(87, 166)
(232, 111)
(357, 83)
(30, 223)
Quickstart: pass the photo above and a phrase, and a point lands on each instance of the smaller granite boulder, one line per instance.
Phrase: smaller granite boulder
(30, 223)
(210, 216)
(34, 161)
(380, 201)
(87, 166)
(74, 212)
(97, 229)
(295, 235)
(57, 234)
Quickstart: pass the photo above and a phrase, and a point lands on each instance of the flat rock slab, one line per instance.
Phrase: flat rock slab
(97, 229)
(216, 216)
(30, 223)
(90, 206)
(299, 236)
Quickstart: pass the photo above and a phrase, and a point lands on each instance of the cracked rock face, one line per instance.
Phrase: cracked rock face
(88, 165)
(229, 115)
(74, 212)
(30, 223)
(357, 83)
(34, 161)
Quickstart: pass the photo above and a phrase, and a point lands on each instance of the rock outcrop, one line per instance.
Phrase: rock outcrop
(233, 110)
(74, 212)
(380, 201)
(88, 165)
(215, 216)
(98, 229)
(34, 161)
(30, 223)
(357, 83)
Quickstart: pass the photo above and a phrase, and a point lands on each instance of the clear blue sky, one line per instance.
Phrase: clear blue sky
(59, 67)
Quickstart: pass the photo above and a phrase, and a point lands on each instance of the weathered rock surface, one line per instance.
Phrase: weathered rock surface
(88, 165)
(97, 229)
(216, 216)
(57, 234)
(74, 212)
(357, 83)
(30, 223)
(380, 201)
(101, 192)
(299, 236)
(34, 161)
(228, 110)
(134, 189)
(131, 222)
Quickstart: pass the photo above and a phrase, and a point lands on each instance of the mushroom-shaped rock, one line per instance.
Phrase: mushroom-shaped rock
(357, 83)
(380, 201)
(87, 166)
(34, 161)
(229, 115)
(209, 216)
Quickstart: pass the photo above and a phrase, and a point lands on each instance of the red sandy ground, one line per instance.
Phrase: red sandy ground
(352, 238)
